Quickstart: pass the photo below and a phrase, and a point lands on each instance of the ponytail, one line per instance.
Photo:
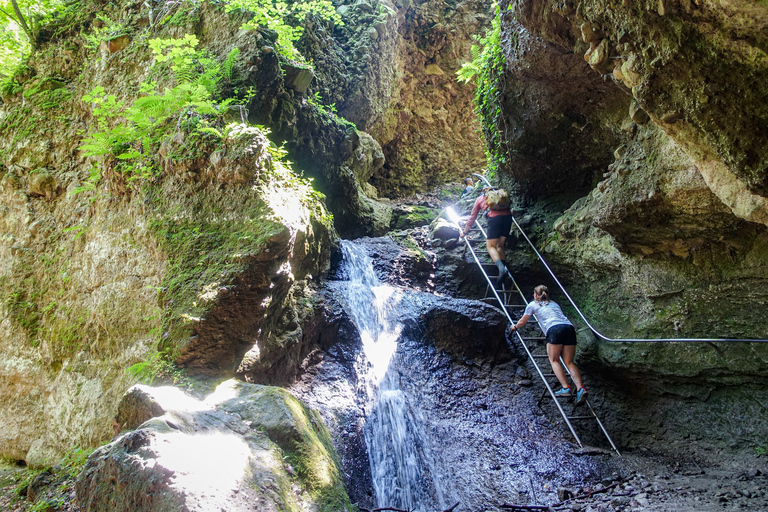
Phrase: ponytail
(542, 292)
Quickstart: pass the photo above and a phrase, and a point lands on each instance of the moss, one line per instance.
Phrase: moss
(412, 216)
(205, 239)
(315, 460)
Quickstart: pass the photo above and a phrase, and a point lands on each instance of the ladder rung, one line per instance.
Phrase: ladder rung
(503, 295)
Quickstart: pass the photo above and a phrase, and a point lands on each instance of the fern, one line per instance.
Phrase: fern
(229, 63)
(144, 123)
(468, 70)
(211, 130)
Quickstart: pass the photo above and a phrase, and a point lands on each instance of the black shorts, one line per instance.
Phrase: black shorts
(561, 334)
(499, 226)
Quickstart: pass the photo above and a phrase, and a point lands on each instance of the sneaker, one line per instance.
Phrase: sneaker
(581, 396)
(564, 392)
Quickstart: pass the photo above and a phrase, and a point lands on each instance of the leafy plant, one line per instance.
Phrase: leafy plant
(276, 14)
(487, 70)
(129, 134)
(109, 29)
(159, 368)
(468, 70)
(20, 21)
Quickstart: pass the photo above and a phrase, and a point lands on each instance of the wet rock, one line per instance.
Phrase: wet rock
(464, 327)
(444, 229)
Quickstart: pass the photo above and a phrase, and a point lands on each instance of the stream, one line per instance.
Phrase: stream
(426, 407)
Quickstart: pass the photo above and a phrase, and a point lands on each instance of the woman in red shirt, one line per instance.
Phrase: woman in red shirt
(499, 224)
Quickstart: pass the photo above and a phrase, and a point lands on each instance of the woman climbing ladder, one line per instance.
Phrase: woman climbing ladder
(561, 339)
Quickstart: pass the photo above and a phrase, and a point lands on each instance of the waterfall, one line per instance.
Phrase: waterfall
(398, 449)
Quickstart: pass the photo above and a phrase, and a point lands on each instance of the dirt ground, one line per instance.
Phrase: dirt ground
(638, 482)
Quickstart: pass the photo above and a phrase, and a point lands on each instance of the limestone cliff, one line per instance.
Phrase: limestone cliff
(641, 125)
(109, 275)
(197, 244)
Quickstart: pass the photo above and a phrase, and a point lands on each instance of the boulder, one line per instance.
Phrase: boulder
(245, 447)
(444, 230)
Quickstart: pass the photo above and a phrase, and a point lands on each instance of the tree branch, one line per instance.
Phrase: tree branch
(550, 507)
(8, 15)
(23, 23)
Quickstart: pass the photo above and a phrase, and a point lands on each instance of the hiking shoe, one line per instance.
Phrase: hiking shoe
(500, 279)
(564, 392)
(581, 396)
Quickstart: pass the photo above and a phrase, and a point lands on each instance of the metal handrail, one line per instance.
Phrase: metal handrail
(483, 178)
(525, 346)
(530, 355)
(627, 340)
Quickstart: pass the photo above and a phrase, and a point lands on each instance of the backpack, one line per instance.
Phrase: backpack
(497, 199)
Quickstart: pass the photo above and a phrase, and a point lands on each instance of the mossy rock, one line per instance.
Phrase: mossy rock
(407, 217)
(298, 430)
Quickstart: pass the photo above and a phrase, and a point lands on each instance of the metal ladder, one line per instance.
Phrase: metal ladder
(532, 344)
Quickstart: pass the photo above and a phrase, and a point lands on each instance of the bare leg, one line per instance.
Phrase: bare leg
(500, 248)
(493, 251)
(553, 351)
(568, 352)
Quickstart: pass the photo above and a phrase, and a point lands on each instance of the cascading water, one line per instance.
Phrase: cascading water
(400, 456)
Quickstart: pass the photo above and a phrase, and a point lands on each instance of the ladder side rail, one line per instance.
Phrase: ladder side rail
(591, 409)
(602, 427)
(525, 346)
(626, 340)
(530, 355)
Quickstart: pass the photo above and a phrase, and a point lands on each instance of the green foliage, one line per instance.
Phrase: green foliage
(487, 69)
(54, 494)
(468, 70)
(317, 101)
(109, 29)
(129, 135)
(159, 369)
(20, 22)
(277, 14)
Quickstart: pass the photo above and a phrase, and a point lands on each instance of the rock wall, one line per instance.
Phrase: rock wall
(391, 71)
(106, 281)
(242, 447)
(651, 203)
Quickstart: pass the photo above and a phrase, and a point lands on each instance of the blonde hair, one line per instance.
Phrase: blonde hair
(542, 292)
